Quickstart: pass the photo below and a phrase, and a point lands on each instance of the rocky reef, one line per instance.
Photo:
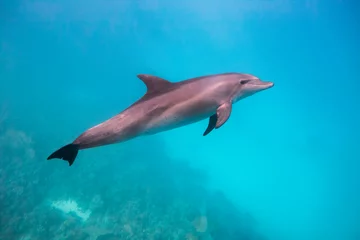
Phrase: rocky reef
(119, 195)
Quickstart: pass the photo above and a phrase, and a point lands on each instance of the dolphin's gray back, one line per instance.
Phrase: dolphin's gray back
(196, 83)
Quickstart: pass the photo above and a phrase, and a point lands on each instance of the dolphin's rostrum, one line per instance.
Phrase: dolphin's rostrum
(168, 105)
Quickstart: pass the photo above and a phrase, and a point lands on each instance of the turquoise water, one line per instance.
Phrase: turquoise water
(286, 163)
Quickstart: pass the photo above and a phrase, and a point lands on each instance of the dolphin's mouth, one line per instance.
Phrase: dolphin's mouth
(268, 84)
(264, 84)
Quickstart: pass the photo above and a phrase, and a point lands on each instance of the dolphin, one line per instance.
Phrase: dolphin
(167, 105)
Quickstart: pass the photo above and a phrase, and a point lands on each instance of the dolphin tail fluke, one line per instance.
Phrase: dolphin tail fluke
(67, 153)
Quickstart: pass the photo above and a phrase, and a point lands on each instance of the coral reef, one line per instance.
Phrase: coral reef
(135, 197)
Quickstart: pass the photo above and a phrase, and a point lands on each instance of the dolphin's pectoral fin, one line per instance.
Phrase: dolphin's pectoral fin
(219, 118)
(211, 125)
(153, 83)
(223, 113)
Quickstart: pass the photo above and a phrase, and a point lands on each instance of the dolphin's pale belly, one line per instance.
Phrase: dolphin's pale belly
(168, 122)
(179, 115)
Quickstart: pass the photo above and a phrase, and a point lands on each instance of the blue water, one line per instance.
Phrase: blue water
(289, 155)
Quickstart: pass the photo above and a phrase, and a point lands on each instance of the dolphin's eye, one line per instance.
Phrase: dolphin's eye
(244, 81)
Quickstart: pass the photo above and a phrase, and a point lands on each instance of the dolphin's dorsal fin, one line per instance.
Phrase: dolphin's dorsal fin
(153, 83)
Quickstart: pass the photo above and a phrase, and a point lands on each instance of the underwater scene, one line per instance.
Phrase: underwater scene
(179, 120)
